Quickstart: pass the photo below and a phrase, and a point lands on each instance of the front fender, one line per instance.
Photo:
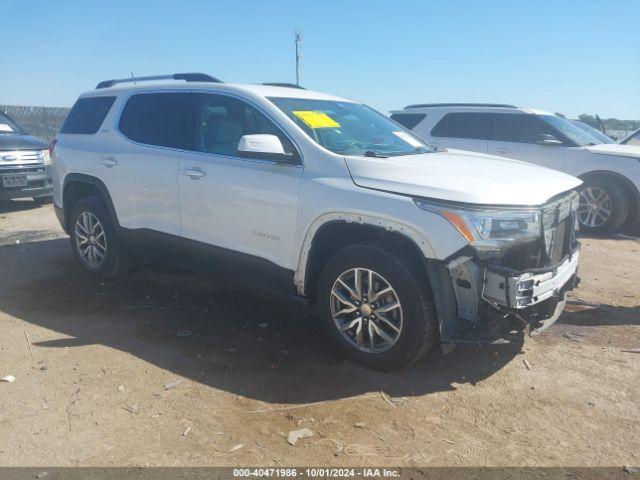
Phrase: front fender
(379, 222)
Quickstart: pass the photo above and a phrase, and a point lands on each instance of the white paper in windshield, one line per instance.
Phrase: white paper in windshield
(409, 139)
(5, 128)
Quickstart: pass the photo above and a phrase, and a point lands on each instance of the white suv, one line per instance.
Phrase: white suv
(611, 173)
(398, 245)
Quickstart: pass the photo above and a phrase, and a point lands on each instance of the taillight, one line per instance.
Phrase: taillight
(51, 146)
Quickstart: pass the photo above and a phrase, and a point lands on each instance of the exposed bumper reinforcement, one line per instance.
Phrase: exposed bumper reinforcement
(525, 289)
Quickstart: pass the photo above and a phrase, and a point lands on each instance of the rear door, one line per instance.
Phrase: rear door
(153, 125)
(517, 136)
(464, 131)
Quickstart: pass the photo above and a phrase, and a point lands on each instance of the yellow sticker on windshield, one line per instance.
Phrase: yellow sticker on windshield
(315, 119)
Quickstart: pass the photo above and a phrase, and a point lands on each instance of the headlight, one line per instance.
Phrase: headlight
(46, 157)
(489, 231)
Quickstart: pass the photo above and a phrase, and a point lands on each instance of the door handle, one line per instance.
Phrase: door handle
(109, 162)
(194, 173)
(503, 151)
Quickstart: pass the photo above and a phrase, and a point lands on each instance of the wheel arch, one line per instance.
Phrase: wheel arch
(77, 186)
(331, 232)
(631, 189)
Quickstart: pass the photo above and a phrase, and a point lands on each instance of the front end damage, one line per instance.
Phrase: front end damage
(485, 297)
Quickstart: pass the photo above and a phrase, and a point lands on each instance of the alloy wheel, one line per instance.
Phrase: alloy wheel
(91, 241)
(366, 310)
(594, 207)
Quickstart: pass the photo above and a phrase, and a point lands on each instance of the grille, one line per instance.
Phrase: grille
(559, 227)
(558, 237)
(14, 158)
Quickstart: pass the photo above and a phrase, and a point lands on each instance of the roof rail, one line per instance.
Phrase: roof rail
(283, 84)
(188, 77)
(423, 105)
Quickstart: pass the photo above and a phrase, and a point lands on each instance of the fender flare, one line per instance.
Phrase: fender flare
(91, 180)
(391, 226)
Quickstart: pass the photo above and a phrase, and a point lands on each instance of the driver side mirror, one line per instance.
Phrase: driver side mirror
(264, 146)
(549, 140)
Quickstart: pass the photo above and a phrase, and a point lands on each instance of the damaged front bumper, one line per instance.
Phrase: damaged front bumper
(524, 292)
(479, 302)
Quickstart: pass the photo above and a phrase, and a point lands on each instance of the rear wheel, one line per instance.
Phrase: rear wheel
(375, 307)
(603, 206)
(94, 241)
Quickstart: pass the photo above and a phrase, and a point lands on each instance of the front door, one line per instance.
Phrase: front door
(238, 214)
(518, 136)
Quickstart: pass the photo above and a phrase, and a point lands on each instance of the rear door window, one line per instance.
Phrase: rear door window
(87, 114)
(465, 125)
(408, 120)
(156, 119)
(520, 128)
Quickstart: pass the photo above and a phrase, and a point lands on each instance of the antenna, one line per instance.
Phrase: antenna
(298, 55)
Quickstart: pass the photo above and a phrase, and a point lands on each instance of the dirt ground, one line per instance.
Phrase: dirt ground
(94, 365)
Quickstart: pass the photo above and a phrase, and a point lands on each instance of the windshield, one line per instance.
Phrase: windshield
(571, 131)
(350, 128)
(594, 132)
(7, 125)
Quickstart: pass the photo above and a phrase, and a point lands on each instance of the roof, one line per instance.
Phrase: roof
(469, 107)
(431, 105)
(110, 87)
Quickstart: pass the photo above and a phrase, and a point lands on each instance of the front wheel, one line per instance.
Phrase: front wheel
(375, 307)
(603, 206)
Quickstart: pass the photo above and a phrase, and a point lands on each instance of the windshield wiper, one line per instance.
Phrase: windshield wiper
(417, 151)
(373, 153)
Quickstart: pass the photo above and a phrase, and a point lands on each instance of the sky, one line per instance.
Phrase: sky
(563, 56)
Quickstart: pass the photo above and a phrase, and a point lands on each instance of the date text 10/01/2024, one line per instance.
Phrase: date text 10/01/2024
(316, 472)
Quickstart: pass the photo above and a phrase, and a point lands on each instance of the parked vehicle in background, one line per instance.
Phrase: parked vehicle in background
(633, 139)
(603, 137)
(25, 166)
(399, 246)
(611, 172)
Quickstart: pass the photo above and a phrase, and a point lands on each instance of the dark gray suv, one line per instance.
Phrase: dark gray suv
(25, 164)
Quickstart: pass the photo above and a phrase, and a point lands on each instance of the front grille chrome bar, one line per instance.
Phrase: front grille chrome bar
(13, 158)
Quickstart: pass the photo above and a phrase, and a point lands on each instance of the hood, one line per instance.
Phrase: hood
(21, 142)
(459, 176)
(615, 149)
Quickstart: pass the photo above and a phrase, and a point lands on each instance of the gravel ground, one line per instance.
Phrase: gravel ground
(167, 368)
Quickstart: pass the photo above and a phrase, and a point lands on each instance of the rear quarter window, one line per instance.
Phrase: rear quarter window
(156, 119)
(408, 120)
(87, 114)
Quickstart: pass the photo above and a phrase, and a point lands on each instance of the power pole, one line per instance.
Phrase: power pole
(298, 48)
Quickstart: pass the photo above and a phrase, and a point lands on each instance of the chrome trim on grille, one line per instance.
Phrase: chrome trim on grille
(13, 158)
(559, 225)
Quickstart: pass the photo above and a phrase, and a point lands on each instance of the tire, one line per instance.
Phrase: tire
(43, 200)
(600, 197)
(415, 316)
(111, 260)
